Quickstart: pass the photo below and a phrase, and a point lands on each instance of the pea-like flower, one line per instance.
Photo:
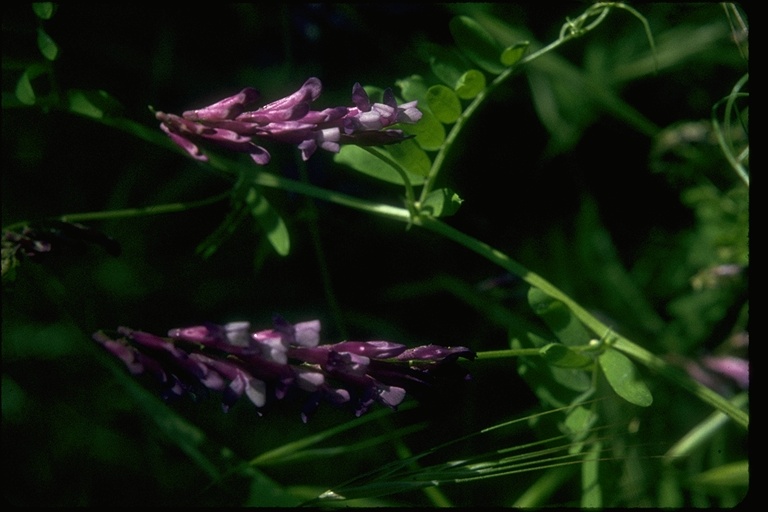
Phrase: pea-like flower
(235, 123)
(266, 365)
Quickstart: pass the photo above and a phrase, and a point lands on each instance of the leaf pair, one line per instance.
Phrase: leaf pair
(568, 352)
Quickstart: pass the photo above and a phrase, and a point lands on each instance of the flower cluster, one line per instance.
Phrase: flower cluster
(234, 123)
(265, 365)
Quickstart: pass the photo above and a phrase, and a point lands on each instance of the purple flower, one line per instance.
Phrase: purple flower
(721, 370)
(265, 365)
(235, 122)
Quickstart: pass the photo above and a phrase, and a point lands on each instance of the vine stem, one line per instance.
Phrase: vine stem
(570, 30)
(617, 341)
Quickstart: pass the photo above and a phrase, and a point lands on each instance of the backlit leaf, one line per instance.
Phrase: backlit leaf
(470, 84)
(362, 161)
(429, 132)
(442, 202)
(512, 54)
(444, 103)
(270, 221)
(410, 157)
(477, 44)
(558, 354)
(620, 372)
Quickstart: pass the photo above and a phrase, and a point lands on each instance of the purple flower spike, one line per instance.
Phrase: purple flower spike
(235, 124)
(265, 365)
(228, 108)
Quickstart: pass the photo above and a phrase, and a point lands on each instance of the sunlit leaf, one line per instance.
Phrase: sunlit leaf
(512, 54)
(46, 45)
(591, 490)
(621, 375)
(558, 354)
(444, 103)
(429, 132)
(442, 202)
(410, 157)
(727, 475)
(412, 88)
(477, 44)
(270, 221)
(470, 84)
(362, 161)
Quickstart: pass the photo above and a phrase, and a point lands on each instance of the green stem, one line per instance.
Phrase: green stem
(410, 197)
(618, 342)
(506, 354)
(576, 30)
(131, 212)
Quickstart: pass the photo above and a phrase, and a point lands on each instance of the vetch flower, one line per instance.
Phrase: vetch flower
(265, 365)
(235, 123)
(726, 368)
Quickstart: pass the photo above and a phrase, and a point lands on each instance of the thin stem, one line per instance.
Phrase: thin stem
(317, 243)
(618, 342)
(410, 197)
(506, 354)
(131, 212)
(570, 31)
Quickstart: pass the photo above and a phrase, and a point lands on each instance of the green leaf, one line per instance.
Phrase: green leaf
(446, 63)
(512, 54)
(362, 161)
(94, 104)
(442, 202)
(444, 103)
(412, 88)
(477, 44)
(558, 317)
(411, 158)
(46, 45)
(270, 221)
(554, 386)
(621, 375)
(728, 475)
(470, 84)
(578, 424)
(591, 490)
(24, 91)
(44, 10)
(558, 354)
(429, 132)
(212, 242)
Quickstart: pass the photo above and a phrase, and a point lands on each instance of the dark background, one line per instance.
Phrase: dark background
(74, 439)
